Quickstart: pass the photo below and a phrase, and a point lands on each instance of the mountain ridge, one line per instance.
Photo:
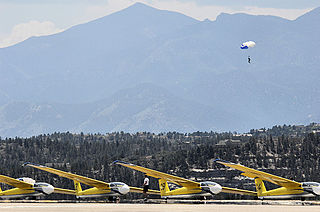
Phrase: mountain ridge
(196, 61)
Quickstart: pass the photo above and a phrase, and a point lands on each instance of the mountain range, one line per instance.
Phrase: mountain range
(144, 69)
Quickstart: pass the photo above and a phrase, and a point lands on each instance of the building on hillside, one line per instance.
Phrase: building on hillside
(228, 142)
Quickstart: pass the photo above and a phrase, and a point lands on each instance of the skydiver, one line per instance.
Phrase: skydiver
(249, 59)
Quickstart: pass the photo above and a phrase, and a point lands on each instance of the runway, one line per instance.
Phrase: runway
(112, 207)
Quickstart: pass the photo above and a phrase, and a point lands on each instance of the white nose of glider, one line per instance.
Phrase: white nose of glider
(49, 189)
(124, 189)
(316, 190)
(44, 188)
(216, 189)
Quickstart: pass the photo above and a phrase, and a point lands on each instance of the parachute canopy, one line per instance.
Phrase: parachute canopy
(248, 44)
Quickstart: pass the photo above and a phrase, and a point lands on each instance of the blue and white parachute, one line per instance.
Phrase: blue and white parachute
(247, 45)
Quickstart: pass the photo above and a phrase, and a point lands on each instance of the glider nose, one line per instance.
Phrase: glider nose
(216, 189)
(49, 189)
(124, 189)
(44, 188)
(316, 190)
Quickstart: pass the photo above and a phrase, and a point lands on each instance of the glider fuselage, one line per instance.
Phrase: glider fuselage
(19, 193)
(284, 193)
(96, 192)
(186, 192)
(287, 188)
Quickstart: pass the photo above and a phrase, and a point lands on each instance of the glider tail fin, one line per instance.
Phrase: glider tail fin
(163, 186)
(260, 186)
(77, 187)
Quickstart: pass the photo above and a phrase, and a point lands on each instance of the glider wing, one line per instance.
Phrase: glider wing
(160, 175)
(75, 177)
(15, 183)
(252, 173)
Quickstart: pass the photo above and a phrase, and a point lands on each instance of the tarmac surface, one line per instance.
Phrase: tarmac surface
(124, 207)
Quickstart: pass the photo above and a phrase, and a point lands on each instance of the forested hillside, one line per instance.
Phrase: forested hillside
(289, 151)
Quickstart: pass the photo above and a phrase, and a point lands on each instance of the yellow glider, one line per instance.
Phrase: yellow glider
(288, 188)
(188, 188)
(100, 188)
(27, 187)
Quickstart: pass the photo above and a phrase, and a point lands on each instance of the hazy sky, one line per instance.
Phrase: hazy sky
(20, 19)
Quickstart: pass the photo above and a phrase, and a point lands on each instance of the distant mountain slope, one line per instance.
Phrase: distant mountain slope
(87, 61)
(153, 109)
(141, 108)
(195, 61)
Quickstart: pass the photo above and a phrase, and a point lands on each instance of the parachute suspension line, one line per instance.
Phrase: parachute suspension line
(247, 45)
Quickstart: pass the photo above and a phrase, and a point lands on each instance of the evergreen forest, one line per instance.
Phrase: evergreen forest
(292, 152)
